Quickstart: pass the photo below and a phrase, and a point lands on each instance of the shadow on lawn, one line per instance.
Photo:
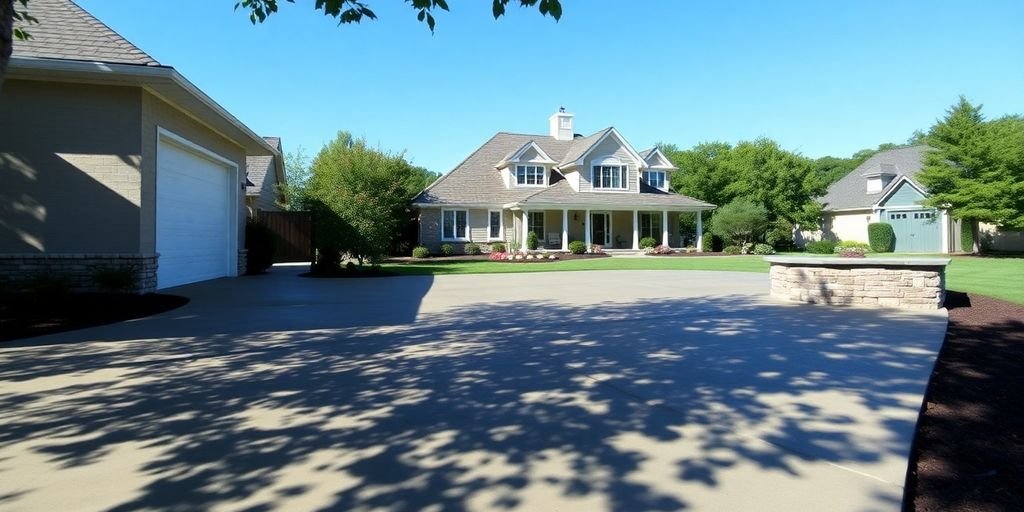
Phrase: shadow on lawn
(470, 408)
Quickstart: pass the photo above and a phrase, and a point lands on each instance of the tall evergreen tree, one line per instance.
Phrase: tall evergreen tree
(976, 167)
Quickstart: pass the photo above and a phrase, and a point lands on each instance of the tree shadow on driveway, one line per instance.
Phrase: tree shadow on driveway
(645, 405)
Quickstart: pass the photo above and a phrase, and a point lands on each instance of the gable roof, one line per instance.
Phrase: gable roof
(516, 155)
(257, 167)
(70, 45)
(850, 192)
(476, 181)
(66, 31)
(655, 152)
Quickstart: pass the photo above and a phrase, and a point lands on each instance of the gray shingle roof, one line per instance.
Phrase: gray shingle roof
(66, 31)
(562, 193)
(257, 167)
(476, 181)
(851, 190)
(645, 153)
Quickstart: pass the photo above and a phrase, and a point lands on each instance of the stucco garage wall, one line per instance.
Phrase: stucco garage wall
(848, 226)
(69, 168)
(1002, 240)
(157, 113)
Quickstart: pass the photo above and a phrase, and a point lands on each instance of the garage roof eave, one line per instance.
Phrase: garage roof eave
(163, 81)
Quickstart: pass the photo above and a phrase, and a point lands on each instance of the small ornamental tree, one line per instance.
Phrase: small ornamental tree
(359, 198)
(881, 237)
(740, 221)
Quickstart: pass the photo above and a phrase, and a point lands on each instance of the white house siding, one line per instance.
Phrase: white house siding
(610, 147)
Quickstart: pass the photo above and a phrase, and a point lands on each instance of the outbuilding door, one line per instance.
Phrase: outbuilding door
(195, 216)
(916, 230)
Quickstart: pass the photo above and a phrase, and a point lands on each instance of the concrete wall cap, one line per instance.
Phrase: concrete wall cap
(857, 262)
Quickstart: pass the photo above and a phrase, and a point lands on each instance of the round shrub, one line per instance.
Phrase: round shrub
(420, 252)
(881, 237)
(577, 247)
(708, 242)
(648, 242)
(261, 243)
(473, 249)
(532, 241)
(764, 249)
(447, 250)
(498, 247)
(731, 249)
(821, 247)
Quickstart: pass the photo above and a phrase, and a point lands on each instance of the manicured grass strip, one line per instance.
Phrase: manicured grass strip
(1000, 277)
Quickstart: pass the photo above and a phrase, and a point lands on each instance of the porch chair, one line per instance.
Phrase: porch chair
(554, 240)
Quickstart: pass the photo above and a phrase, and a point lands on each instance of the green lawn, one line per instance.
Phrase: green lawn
(1000, 277)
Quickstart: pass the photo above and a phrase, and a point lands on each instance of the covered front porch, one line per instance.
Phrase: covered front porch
(611, 229)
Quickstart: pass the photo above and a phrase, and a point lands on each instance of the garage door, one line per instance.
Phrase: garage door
(916, 231)
(194, 217)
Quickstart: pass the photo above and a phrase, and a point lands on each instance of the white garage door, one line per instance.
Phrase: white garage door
(194, 217)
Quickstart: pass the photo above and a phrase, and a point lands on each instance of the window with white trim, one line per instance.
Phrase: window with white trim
(530, 175)
(610, 177)
(494, 225)
(454, 225)
(650, 225)
(655, 179)
(536, 224)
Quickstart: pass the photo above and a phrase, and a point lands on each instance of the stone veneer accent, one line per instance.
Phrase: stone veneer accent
(243, 261)
(917, 283)
(77, 268)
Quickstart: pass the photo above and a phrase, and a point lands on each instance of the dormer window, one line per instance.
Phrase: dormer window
(610, 177)
(655, 179)
(530, 175)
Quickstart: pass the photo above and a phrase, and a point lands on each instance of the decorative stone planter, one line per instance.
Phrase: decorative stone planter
(904, 283)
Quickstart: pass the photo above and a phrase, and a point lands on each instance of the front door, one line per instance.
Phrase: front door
(601, 229)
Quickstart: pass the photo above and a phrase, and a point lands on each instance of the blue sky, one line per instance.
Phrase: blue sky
(821, 77)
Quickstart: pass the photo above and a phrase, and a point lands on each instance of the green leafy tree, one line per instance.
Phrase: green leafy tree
(976, 167)
(354, 11)
(360, 198)
(345, 11)
(297, 173)
(740, 221)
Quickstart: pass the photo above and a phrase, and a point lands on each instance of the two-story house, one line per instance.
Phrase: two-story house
(561, 186)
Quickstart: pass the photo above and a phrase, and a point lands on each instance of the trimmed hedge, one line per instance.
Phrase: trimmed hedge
(648, 242)
(821, 247)
(881, 237)
(447, 250)
(473, 249)
(764, 249)
(708, 242)
(577, 247)
(731, 250)
(966, 236)
(260, 244)
(420, 252)
(498, 247)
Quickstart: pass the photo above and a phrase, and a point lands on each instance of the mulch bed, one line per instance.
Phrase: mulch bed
(25, 317)
(676, 254)
(968, 452)
(484, 257)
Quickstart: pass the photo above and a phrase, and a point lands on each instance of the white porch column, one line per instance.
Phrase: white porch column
(586, 229)
(526, 230)
(565, 229)
(636, 232)
(700, 231)
(664, 228)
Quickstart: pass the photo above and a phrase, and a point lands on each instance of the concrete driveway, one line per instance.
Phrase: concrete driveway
(644, 390)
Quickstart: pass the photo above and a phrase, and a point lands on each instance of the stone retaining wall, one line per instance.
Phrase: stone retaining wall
(884, 285)
(20, 272)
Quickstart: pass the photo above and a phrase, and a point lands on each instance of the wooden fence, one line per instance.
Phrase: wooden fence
(294, 231)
